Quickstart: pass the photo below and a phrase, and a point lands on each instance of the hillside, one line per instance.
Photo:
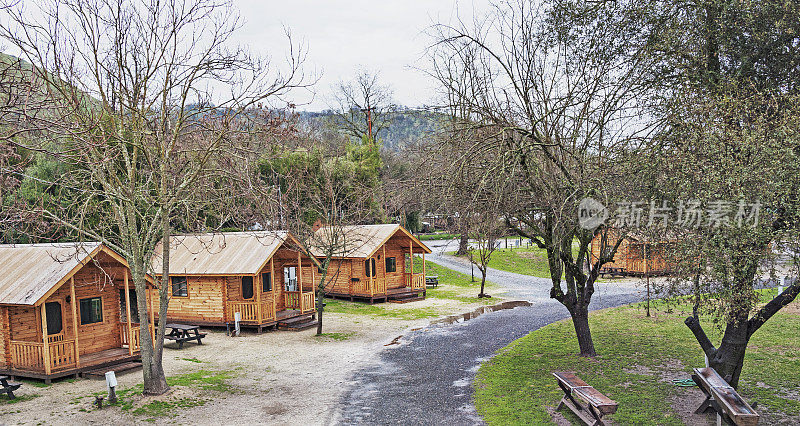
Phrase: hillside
(408, 126)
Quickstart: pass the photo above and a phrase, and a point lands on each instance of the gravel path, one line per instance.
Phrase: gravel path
(427, 378)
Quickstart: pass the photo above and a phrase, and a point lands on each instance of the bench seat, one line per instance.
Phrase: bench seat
(597, 404)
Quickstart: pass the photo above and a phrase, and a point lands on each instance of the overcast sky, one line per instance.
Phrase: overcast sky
(343, 36)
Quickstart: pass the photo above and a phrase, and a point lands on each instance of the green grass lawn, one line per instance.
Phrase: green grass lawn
(523, 260)
(453, 286)
(637, 359)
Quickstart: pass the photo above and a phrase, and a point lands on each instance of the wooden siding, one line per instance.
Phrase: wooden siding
(354, 268)
(209, 295)
(630, 255)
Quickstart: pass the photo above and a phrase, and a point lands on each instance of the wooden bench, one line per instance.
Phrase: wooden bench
(596, 404)
(432, 281)
(7, 387)
(182, 333)
(613, 272)
(723, 399)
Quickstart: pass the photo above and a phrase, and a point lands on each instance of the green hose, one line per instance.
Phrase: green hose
(685, 383)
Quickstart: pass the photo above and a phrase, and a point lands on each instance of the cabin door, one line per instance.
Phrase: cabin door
(55, 323)
(290, 278)
(134, 305)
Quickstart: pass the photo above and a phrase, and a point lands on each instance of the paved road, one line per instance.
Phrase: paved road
(427, 379)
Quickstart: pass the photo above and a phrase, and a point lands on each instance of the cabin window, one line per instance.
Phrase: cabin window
(91, 310)
(369, 267)
(247, 287)
(53, 312)
(266, 282)
(391, 264)
(180, 287)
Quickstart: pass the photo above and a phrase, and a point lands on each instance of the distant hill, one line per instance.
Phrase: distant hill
(408, 126)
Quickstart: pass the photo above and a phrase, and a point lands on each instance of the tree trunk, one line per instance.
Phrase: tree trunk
(155, 381)
(320, 308)
(463, 244)
(580, 320)
(483, 284)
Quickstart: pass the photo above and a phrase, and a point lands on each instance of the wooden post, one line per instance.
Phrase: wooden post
(424, 266)
(153, 316)
(411, 256)
(7, 336)
(75, 321)
(300, 282)
(128, 315)
(45, 341)
(384, 267)
(371, 272)
(272, 294)
(258, 289)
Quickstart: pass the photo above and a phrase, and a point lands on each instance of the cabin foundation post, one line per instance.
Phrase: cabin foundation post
(45, 340)
(74, 306)
(128, 314)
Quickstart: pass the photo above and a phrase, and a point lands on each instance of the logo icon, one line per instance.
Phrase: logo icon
(591, 213)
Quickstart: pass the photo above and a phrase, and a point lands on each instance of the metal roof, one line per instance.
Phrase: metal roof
(361, 241)
(229, 253)
(29, 271)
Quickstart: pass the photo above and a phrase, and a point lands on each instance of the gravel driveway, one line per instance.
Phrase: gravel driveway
(427, 378)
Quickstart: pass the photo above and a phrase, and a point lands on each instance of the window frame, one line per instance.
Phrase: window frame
(80, 310)
(271, 285)
(394, 264)
(185, 284)
(370, 262)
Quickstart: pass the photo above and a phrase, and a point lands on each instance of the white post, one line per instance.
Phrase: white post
(111, 382)
(237, 316)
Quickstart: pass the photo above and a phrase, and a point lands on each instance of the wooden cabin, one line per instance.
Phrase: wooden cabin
(65, 309)
(257, 274)
(376, 264)
(637, 255)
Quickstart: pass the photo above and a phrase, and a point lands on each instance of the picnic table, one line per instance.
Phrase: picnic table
(182, 333)
(613, 271)
(576, 390)
(432, 281)
(7, 387)
(723, 398)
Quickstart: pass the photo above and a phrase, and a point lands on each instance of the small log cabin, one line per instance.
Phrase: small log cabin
(637, 255)
(65, 308)
(377, 264)
(257, 274)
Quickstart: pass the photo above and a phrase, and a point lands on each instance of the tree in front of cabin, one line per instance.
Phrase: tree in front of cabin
(730, 98)
(150, 98)
(316, 186)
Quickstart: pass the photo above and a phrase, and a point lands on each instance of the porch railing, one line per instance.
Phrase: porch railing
(136, 331)
(292, 300)
(415, 281)
(250, 312)
(29, 355)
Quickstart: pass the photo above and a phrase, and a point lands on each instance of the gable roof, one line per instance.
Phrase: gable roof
(229, 253)
(362, 241)
(30, 271)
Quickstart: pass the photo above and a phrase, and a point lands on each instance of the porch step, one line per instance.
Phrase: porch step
(298, 323)
(405, 299)
(100, 373)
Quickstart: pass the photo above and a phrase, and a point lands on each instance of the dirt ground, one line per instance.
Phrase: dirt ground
(278, 377)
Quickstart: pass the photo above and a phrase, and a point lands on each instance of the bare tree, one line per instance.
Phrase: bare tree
(151, 94)
(322, 194)
(558, 82)
(363, 106)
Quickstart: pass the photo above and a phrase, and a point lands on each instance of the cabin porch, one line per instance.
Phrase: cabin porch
(272, 308)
